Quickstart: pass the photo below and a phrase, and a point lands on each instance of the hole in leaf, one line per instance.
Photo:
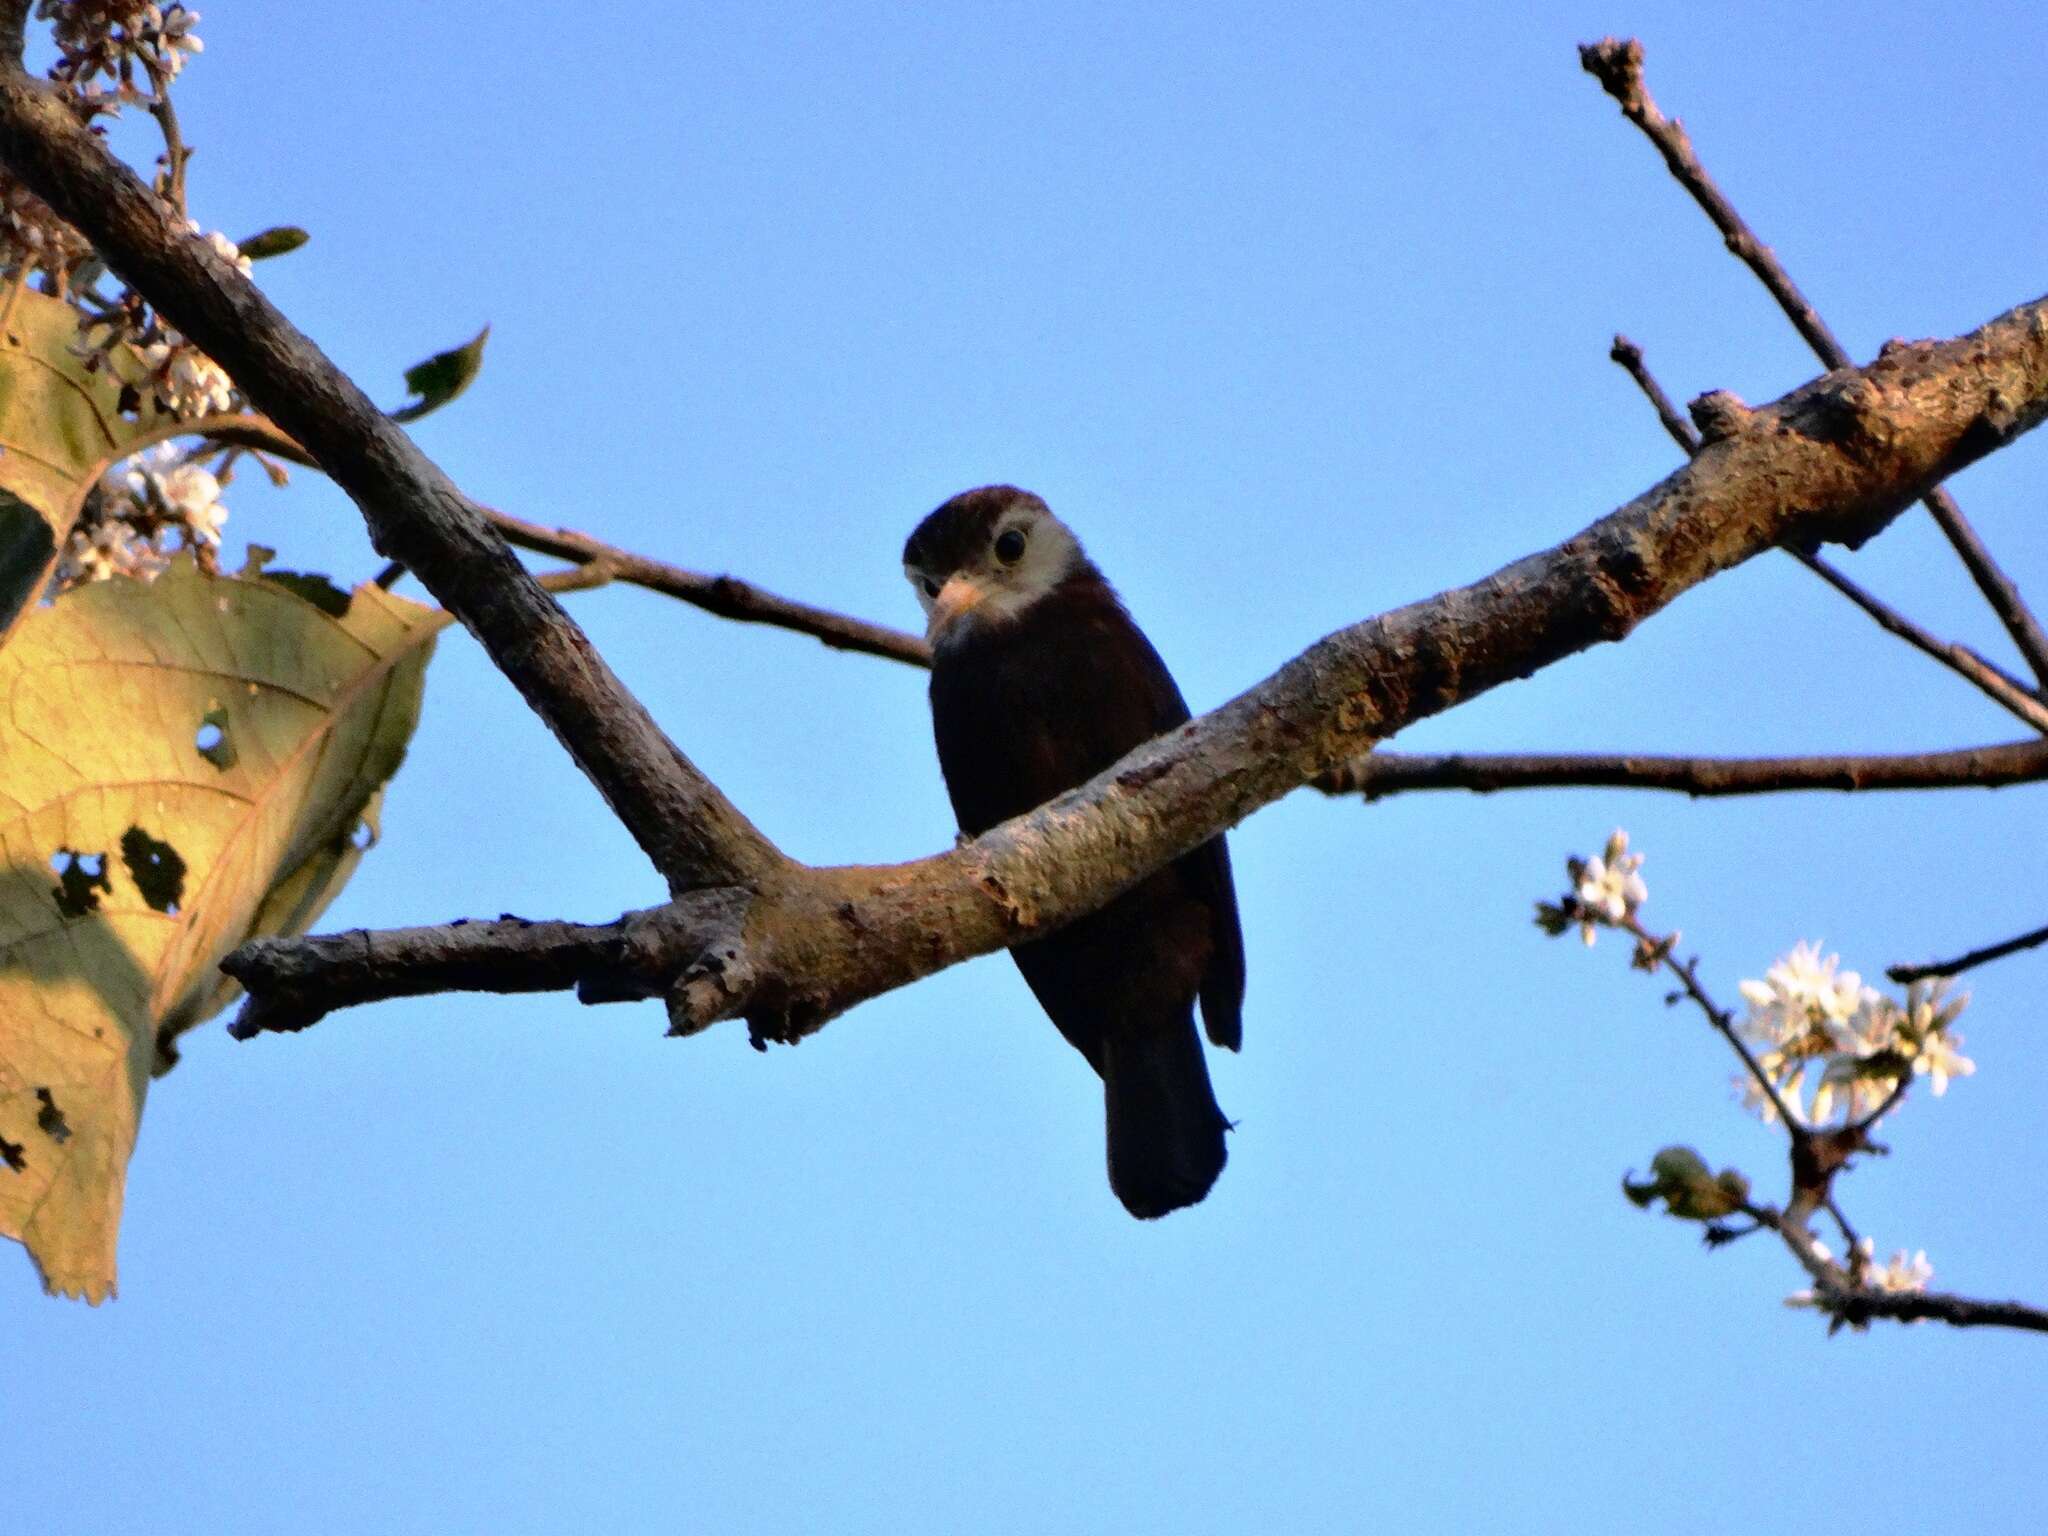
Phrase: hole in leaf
(212, 740)
(156, 869)
(81, 877)
(50, 1119)
(364, 836)
(12, 1154)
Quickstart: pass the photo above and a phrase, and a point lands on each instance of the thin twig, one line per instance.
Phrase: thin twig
(175, 153)
(1630, 357)
(1833, 1208)
(1687, 972)
(1905, 975)
(726, 596)
(1994, 682)
(1868, 1123)
(1618, 66)
(2001, 687)
(1856, 1307)
(1379, 774)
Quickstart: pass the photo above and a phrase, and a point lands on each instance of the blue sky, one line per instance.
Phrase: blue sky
(1294, 317)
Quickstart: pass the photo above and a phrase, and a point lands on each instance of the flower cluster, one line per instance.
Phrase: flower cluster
(136, 510)
(186, 381)
(1901, 1276)
(1807, 1013)
(1606, 890)
(102, 46)
(182, 380)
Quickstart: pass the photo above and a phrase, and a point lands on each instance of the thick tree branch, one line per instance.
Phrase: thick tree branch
(295, 983)
(688, 829)
(1380, 774)
(1835, 460)
(1618, 65)
(1996, 684)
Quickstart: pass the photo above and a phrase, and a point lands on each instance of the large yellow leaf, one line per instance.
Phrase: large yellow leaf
(181, 765)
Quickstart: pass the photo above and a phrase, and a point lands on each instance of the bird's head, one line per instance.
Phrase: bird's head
(984, 557)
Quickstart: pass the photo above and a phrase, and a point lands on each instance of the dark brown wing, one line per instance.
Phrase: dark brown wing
(1024, 712)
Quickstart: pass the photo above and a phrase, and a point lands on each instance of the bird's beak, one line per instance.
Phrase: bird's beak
(958, 597)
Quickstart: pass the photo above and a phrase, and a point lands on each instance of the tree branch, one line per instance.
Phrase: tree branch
(294, 983)
(1618, 66)
(2003, 689)
(1836, 459)
(726, 596)
(1905, 975)
(688, 829)
(1380, 774)
(1853, 1305)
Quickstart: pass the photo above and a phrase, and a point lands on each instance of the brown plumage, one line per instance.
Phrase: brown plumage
(1040, 681)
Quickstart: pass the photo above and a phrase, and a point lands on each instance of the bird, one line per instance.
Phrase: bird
(1040, 679)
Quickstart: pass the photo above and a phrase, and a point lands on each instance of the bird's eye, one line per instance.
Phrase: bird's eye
(930, 585)
(1010, 546)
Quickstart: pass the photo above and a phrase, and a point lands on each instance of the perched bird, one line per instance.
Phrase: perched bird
(1040, 681)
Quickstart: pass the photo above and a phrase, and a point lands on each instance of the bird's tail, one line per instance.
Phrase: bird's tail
(1165, 1131)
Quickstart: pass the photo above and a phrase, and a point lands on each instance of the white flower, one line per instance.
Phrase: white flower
(1608, 886)
(108, 549)
(198, 385)
(193, 496)
(188, 382)
(161, 482)
(1802, 997)
(225, 248)
(1938, 1060)
(1904, 1276)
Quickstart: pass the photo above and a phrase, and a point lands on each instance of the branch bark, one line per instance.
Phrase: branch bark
(1835, 460)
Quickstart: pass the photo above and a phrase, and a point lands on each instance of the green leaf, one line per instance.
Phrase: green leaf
(59, 426)
(279, 240)
(442, 377)
(189, 764)
(1688, 1188)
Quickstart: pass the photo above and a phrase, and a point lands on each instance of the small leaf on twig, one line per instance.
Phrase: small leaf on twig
(279, 240)
(1680, 1177)
(442, 377)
